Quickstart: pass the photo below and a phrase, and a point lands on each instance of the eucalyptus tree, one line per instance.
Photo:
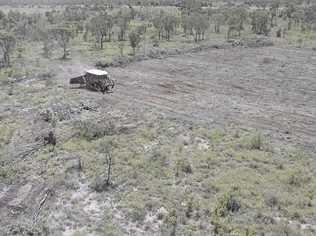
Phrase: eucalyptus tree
(122, 20)
(63, 35)
(236, 18)
(134, 39)
(7, 45)
(159, 24)
(309, 18)
(260, 22)
(274, 12)
(200, 24)
(101, 26)
(169, 25)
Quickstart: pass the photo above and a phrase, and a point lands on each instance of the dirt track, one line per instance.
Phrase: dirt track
(270, 89)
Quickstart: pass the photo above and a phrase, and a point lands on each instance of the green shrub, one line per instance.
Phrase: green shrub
(227, 204)
(92, 130)
(255, 142)
(137, 211)
(99, 184)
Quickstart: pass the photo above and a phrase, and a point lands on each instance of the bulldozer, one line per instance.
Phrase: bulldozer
(95, 80)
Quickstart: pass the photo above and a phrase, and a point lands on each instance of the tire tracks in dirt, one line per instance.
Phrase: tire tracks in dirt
(224, 87)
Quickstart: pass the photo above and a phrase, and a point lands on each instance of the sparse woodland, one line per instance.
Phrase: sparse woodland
(96, 24)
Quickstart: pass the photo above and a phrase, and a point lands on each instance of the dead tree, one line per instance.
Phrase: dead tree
(104, 181)
(48, 194)
(109, 163)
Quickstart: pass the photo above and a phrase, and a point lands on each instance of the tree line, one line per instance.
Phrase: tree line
(193, 18)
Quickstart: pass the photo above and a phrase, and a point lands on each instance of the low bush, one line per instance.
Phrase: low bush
(99, 184)
(92, 130)
(255, 142)
(226, 205)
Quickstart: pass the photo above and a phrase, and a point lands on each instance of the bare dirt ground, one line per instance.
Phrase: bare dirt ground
(270, 89)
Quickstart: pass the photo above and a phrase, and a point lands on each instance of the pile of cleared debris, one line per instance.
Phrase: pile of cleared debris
(256, 42)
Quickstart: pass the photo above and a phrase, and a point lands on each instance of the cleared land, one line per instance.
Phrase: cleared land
(186, 156)
(270, 89)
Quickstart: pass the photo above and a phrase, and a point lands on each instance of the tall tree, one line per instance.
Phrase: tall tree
(7, 44)
(169, 25)
(3, 20)
(219, 20)
(260, 22)
(309, 18)
(274, 12)
(101, 26)
(158, 23)
(187, 25)
(134, 39)
(200, 25)
(192, 6)
(63, 35)
(289, 11)
(122, 20)
(196, 25)
(236, 19)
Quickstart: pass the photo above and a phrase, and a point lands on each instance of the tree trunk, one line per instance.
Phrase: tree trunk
(101, 42)
(289, 26)
(6, 59)
(108, 179)
(65, 52)
(85, 36)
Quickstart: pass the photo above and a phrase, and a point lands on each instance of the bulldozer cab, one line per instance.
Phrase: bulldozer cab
(100, 74)
(98, 80)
